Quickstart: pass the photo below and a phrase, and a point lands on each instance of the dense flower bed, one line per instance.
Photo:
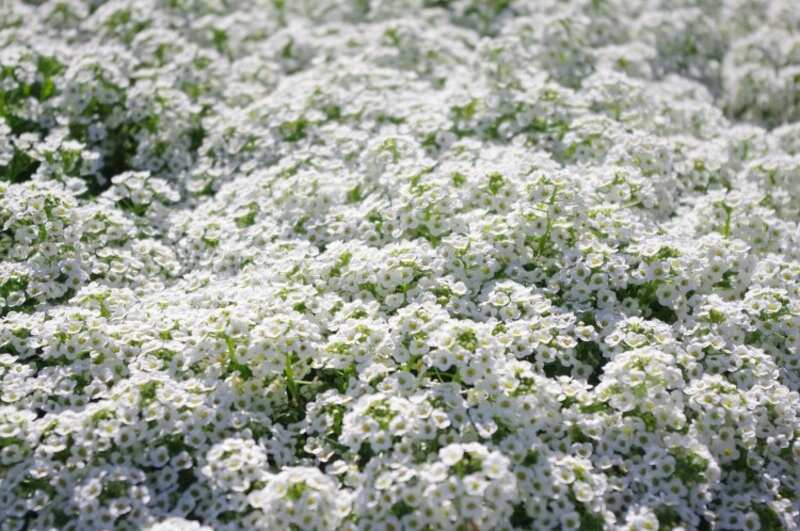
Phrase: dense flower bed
(400, 264)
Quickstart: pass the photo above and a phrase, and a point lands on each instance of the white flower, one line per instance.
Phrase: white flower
(451, 454)
(382, 265)
(178, 524)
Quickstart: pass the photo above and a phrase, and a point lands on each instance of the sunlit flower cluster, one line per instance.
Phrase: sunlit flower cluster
(399, 264)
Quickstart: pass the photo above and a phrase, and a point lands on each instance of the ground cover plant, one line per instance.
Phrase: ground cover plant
(399, 264)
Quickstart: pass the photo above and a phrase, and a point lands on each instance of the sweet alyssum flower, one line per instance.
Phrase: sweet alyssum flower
(384, 264)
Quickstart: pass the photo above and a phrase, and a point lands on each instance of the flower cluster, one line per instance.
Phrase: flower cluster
(399, 264)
